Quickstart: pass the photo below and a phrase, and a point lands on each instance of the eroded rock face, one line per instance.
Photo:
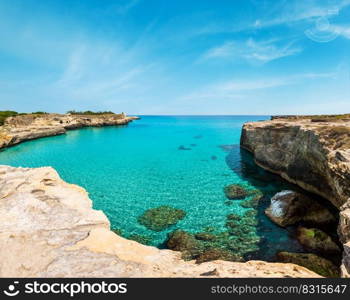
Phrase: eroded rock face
(49, 229)
(313, 153)
(28, 127)
(289, 208)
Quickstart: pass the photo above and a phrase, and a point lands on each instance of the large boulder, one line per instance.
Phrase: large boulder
(315, 240)
(290, 207)
(310, 261)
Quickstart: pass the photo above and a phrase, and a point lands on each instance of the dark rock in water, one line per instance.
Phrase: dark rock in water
(210, 273)
(289, 208)
(310, 261)
(182, 147)
(227, 148)
(251, 213)
(186, 243)
(253, 202)
(233, 217)
(315, 240)
(117, 231)
(193, 145)
(235, 192)
(205, 236)
(142, 239)
(217, 254)
(213, 157)
(228, 202)
(198, 137)
(159, 218)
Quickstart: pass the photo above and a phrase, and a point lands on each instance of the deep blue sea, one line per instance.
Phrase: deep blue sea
(181, 161)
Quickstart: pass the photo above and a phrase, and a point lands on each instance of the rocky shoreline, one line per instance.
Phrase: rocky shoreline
(58, 234)
(311, 152)
(22, 128)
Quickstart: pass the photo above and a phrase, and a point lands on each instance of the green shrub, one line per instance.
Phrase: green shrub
(89, 112)
(5, 114)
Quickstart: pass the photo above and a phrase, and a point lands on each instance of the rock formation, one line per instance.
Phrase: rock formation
(49, 229)
(28, 127)
(312, 152)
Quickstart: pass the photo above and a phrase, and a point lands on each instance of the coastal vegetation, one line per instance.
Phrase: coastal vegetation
(5, 114)
(89, 112)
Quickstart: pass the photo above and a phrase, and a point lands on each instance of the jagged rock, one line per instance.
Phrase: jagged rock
(289, 207)
(161, 217)
(345, 267)
(315, 240)
(313, 262)
(304, 152)
(217, 254)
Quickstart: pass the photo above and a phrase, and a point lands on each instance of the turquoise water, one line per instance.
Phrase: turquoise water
(184, 162)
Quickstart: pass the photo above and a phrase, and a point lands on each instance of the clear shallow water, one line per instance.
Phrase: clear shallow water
(129, 169)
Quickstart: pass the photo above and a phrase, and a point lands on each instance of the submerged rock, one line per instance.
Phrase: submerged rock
(252, 202)
(117, 231)
(205, 236)
(182, 147)
(217, 254)
(315, 240)
(289, 207)
(235, 192)
(186, 243)
(160, 218)
(310, 261)
(142, 239)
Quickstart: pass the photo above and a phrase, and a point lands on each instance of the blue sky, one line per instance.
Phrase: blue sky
(176, 57)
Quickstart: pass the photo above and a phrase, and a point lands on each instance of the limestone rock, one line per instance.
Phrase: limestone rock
(289, 207)
(314, 155)
(28, 127)
(49, 229)
(315, 240)
(313, 262)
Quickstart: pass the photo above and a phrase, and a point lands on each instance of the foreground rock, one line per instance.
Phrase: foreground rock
(49, 229)
(289, 208)
(315, 240)
(28, 127)
(313, 262)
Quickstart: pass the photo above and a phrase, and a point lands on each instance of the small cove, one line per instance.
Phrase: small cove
(183, 161)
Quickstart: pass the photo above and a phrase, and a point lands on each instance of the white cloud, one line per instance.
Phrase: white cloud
(240, 89)
(252, 51)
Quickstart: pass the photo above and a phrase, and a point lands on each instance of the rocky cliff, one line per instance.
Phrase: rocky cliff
(311, 152)
(49, 229)
(27, 127)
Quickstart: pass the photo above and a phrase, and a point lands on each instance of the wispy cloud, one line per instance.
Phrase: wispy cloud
(238, 89)
(252, 51)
